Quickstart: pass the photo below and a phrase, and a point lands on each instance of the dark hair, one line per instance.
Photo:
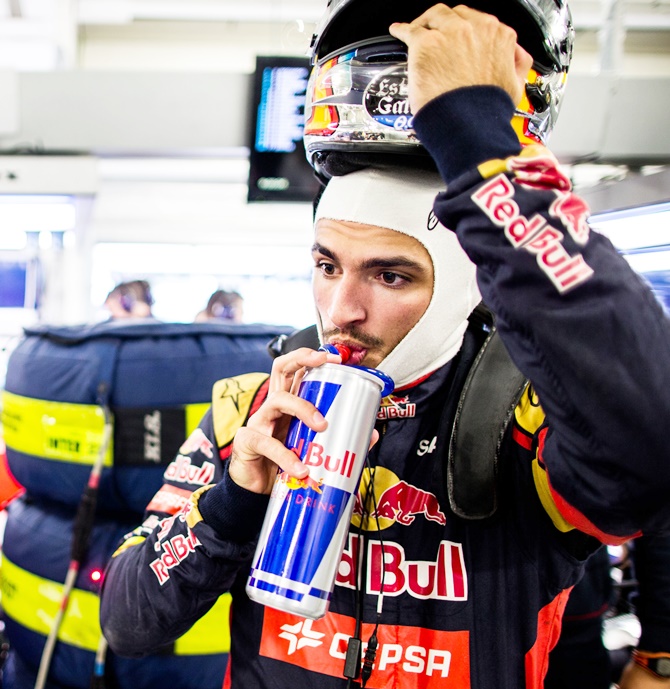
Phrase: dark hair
(131, 292)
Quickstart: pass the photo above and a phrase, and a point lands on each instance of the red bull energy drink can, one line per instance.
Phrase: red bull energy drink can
(306, 524)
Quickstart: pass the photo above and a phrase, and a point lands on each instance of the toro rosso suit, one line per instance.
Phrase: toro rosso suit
(467, 603)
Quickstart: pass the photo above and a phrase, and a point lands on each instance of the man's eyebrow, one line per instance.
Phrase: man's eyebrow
(318, 248)
(387, 262)
(393, 262)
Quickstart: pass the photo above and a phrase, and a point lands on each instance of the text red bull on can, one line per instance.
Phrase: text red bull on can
(307, 520)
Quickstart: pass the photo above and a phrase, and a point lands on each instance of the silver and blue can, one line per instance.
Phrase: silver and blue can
(307, 520)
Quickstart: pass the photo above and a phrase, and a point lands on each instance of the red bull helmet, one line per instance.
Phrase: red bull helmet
(357, 93)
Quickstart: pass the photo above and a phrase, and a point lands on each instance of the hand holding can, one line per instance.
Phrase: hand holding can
(307, 520)
(259, 445)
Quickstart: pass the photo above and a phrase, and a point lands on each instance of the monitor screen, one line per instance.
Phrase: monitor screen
(13, 281)
(278, 169)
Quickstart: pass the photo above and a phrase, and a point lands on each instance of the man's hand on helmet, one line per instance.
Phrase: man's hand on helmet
(449, 48)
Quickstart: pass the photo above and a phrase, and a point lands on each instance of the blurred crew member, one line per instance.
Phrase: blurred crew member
(130, 300)
(223, 306)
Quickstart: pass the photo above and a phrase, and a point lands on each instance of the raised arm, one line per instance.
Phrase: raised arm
(575, 318)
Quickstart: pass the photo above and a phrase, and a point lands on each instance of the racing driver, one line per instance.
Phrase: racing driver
(435, 597)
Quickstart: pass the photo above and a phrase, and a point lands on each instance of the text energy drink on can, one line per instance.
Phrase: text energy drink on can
(305, 528)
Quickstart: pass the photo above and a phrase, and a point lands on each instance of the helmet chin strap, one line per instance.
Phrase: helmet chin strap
(363, 197)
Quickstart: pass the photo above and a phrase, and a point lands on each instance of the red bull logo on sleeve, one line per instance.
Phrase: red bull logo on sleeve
(172, 550)
(180, 470)
(574, 213)
(198, 442)
(538, 168)
(534, 234)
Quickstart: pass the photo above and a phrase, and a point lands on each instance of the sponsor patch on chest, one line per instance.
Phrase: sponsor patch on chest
(407, 657)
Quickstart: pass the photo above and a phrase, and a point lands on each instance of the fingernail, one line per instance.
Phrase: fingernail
(318, 417)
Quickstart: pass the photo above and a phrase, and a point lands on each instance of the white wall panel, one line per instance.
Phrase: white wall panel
(618, 119)
(131, 112)
(9, 102)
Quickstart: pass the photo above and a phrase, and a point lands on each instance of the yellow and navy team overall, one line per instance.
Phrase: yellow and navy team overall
(467, 604)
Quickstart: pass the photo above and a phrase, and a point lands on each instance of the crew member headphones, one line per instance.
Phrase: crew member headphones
(133, 292)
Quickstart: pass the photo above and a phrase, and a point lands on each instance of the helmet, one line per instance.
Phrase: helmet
(357, 92)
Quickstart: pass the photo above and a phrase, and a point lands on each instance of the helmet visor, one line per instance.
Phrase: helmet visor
(358, 100)
(360, 96)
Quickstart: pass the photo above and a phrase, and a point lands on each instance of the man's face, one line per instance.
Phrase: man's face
(371, 286)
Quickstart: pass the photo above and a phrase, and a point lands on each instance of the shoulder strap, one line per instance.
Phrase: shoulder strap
(283, 343)
(489, 395)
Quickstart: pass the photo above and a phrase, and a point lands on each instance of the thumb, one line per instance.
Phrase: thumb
(400, 30)
(523, 63)
(374, 438)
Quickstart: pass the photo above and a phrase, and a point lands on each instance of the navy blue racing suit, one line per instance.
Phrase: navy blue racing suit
(467, 603)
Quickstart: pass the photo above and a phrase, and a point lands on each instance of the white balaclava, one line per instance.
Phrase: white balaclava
(402, 200)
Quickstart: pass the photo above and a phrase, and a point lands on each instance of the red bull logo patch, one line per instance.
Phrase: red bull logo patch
(394, 407)
(173, 551)
(390, 571)
(396, 502)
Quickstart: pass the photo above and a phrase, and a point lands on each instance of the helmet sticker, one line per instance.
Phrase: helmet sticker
(386, 98)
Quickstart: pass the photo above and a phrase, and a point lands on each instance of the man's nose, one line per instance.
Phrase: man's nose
(347, 303)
